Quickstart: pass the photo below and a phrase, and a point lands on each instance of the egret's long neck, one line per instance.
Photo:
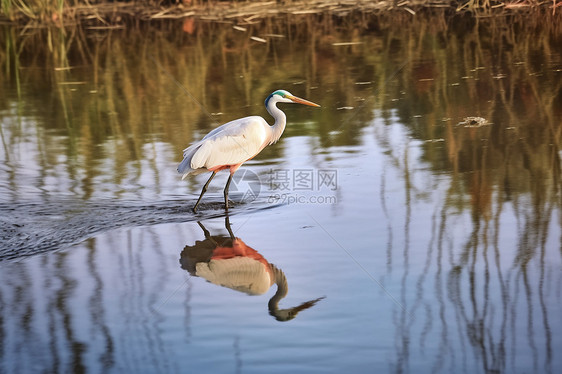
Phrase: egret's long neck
(282, 290)
(280, 121)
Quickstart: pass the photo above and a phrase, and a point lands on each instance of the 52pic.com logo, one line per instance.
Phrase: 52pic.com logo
(295, 198)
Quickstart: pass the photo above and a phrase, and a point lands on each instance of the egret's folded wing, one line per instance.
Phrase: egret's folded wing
(234, 127)
(232, 146)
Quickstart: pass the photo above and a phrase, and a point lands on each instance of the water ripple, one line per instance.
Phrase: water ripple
(30, 228)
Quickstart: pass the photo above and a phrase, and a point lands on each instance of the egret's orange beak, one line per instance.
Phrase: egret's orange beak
(302, 101)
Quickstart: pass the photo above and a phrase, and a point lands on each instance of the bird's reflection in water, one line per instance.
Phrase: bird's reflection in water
(227, 261)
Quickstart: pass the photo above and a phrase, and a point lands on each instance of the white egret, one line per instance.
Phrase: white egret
(235, 142)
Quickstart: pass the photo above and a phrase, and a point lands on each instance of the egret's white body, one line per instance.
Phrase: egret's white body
(226, 146)
(230, 145)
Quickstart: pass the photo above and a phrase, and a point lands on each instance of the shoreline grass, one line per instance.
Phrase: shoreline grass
(103, 13)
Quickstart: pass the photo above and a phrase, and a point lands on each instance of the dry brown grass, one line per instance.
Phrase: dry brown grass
(39, 13)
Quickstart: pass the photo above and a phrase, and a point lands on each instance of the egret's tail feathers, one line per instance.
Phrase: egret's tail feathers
(185, 166)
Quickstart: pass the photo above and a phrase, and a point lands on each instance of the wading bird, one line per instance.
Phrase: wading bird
(230, 145)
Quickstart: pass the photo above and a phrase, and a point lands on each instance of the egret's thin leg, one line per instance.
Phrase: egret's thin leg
(203, 191)
(227, 225)
(207, 234)
(226, 192)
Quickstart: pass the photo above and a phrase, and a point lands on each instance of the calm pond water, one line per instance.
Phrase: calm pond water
(411, 224)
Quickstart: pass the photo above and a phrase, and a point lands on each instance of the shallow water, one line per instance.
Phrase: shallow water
(390, 230)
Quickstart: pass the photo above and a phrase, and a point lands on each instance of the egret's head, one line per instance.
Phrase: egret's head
(282, 96)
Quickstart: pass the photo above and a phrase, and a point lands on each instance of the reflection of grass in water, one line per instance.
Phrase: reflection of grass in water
(507, 170)
(126, 98)
(500, 89)
(513, 164)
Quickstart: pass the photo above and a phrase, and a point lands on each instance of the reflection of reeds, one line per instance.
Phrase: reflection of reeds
(510, 168)
(108, 86)
(498, 88)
